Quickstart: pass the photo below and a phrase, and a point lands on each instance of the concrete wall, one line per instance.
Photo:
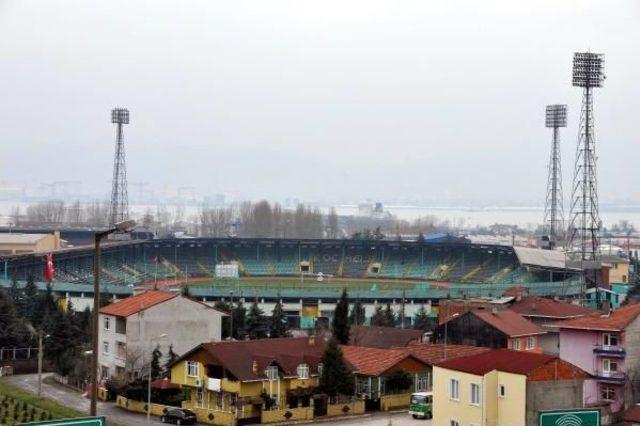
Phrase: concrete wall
(552, 395)
(186, 323)
(550, 343)
(512, 408)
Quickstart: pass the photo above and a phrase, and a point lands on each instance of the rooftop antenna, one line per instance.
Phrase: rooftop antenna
(584, 227)
(119, 209)
(555, 117)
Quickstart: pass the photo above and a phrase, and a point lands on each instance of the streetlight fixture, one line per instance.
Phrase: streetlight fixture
(125, 226)
(162, 336)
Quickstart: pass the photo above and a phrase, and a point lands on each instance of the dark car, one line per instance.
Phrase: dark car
(179, 416)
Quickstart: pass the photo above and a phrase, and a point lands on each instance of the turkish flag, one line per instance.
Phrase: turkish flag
(48, 268)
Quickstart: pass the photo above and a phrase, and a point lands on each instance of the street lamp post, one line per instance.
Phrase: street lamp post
(125, 226)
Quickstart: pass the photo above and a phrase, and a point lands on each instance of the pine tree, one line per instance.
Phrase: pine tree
(390, 318)
(340, 325)
(422, 321)
(357, 315)
(239, 320)
(336, 378)
(156, 356)
(378, 319)
(8, 320)
(29, 301)
(171, 357)
(278, 326)
(255, 327)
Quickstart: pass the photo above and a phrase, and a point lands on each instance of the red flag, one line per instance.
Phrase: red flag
(49, 271)
(155, 260)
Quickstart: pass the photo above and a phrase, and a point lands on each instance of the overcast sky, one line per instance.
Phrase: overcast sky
(321, 100)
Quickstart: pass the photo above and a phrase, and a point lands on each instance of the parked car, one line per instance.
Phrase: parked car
(421, 405)
(179, 416)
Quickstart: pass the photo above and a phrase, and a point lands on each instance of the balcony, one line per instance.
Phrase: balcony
(610, 351)
(610, 376)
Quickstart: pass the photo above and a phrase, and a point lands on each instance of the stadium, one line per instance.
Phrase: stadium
(308, 276)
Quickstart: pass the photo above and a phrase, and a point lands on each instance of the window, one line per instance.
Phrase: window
(610, 339)
(531, 343)
(502, 391)
(423, 382)
(454, 389)
(193, 369)
(609, 366)
(475, 394)
(515, 344)
(272, 372)
(608, 393)
(107, 323)
(320, 367)
(303, 371)
(199, 396)
(219, 399)
(105, 348)
(454, 423)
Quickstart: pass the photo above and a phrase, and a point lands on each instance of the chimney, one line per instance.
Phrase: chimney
(247, 338)
(254, 367)
(494, 310)
(312, 340)
(533, 306)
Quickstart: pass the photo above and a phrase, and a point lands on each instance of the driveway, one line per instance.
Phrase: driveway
(72, 399)
(382, 419)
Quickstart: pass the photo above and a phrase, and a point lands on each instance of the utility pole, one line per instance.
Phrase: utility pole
(40, 356)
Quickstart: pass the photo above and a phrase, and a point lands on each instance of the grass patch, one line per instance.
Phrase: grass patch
(18, 406)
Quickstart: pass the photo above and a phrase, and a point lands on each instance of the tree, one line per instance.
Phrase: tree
(278, 326)
(377, 318)
(422, 320)
(239, 320)
(340, 325)
(156, 356)
(357, 315)
(29, 300)
(332, 226)
(256, 322)
(336, 378)
(171, 358)
(390, 318)
(8, 320)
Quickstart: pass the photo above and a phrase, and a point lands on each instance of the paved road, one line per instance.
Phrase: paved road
(382, 419)
(72, 399)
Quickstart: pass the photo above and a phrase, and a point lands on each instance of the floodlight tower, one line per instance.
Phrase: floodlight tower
(585, 222)
(555, 117)
(119, 211)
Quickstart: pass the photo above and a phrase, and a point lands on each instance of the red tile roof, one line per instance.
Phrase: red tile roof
(435, 353)
(134, 304)
(376, 361)
(506, 360)
(372, 361)
(238, 357)
(383, 337)
(617, 320)
(510, 323)
(632, 414)
(548, 308)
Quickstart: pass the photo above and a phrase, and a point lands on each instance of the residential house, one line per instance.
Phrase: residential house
(384, 337)
(129, 330)
(608, 347)
(385, 378)
(250, 380)
(491, 328)
(618, 269)
(546, 313)
(503, 387)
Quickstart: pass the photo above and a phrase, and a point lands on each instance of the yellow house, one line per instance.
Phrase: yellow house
(503, 387)
(262, 381)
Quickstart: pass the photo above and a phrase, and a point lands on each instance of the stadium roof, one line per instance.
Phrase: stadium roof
(541, 258)
(21, 238)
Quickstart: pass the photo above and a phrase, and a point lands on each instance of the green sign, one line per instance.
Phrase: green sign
(577, 417)
(80, 421)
